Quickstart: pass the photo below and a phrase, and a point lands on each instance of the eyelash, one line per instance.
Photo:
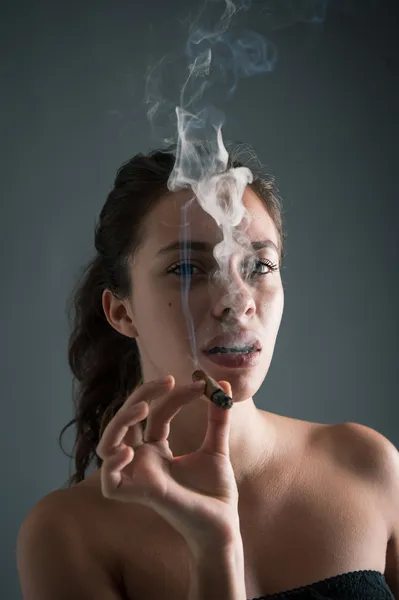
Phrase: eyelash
(272, 267)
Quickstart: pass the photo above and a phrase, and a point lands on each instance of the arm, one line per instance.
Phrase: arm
(218, 574)
(54, 562)
(381, 465)
(391, 464)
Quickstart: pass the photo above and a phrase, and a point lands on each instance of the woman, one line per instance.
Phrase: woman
(270, 503)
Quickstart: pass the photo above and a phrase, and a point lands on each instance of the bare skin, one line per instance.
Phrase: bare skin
(307, 517)
(164, 341)
(305, 514)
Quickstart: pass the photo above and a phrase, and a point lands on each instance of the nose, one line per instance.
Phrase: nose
(232, 297)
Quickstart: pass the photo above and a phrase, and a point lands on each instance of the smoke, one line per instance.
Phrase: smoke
(284, 13)
(218, 55)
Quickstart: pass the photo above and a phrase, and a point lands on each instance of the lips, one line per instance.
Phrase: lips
(234, 339)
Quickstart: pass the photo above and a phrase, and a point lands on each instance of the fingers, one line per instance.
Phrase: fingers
(117, 428)
(158, 422)
(217, 437)
(127, 417)
(116, 454)
(123, 434)
(149, 391)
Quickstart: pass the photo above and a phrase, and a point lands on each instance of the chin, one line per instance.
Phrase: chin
(244, 385)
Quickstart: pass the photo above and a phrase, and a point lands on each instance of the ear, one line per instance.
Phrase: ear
(119, 314)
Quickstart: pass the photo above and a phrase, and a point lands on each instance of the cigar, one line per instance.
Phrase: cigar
(213, 391)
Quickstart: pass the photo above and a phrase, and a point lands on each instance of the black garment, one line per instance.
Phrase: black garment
(355, 585)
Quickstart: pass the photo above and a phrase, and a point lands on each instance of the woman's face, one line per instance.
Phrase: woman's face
(159, 276)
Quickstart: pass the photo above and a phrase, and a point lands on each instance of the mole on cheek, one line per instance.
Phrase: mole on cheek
(170, 304)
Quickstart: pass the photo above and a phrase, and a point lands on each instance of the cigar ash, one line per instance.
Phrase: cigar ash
(213, 391)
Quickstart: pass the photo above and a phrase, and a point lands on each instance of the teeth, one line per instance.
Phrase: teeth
(237, 350)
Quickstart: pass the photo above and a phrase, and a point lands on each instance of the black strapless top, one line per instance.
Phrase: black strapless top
(355, 585)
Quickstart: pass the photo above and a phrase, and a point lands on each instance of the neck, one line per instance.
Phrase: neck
(252, 435)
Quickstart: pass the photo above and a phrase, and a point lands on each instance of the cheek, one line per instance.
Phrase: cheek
(169, 319)
(277, 296)
(195, 300)
(272, 305)
(278, 308)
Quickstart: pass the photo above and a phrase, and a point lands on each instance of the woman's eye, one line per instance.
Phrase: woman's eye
(186, 266)
(264, 263)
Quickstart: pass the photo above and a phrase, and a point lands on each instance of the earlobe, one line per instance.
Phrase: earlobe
(117, 315)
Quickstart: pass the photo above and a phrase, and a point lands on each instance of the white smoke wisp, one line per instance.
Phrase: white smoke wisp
(217, 54)
(219, 192)
(201, 158)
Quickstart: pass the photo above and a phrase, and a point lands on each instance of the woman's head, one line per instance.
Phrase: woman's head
(128, 319)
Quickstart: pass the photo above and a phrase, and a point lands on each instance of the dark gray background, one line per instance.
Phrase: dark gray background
(325, 122)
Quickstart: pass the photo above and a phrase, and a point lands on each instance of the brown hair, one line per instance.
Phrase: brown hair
(106, 364)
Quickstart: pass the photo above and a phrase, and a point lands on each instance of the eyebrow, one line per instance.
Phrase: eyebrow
(207, 247)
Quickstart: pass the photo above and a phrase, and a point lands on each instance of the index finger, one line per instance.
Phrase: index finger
(148, 391)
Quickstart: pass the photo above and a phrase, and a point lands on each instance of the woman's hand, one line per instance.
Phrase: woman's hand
(196, 493)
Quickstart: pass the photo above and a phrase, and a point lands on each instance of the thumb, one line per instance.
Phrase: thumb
(218, 431)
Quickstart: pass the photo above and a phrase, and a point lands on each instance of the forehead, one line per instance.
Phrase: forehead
(165, 221)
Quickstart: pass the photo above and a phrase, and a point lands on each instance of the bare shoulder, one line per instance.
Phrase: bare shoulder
(66, 505)
(372, 458)
(57, 556)
(72, 515)
(59, 506)
(368, 451)
(63, 509)
(366, 454)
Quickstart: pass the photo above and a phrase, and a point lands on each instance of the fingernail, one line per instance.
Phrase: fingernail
(198, 385)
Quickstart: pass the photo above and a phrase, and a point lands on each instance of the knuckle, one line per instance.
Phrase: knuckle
(151, 389)
(155, 384)
(107, 493)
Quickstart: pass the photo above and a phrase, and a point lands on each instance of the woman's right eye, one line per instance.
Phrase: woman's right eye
(186, 266)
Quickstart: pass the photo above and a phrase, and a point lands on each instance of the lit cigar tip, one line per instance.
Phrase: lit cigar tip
(198, 375)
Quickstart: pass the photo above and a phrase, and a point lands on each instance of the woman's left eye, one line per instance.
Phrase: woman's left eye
(270, 266)
(179, 266)
(265, 263)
